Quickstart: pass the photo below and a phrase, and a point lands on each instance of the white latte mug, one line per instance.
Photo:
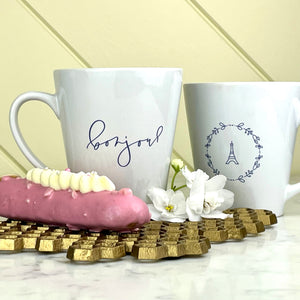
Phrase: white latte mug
(246, 131)
(119, 122)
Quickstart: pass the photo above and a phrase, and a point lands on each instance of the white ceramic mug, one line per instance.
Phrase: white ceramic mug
(246, 131)
(119, 122)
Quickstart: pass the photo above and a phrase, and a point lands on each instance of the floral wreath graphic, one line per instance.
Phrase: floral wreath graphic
(248, 131)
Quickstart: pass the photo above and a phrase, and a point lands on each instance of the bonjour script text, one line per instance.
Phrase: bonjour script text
(96, 141)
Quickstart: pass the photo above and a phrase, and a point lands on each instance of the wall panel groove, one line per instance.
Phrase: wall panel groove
(12, 162)
(83, 62)
(229, 40)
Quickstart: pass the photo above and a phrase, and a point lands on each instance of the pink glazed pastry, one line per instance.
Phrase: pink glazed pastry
(75, 200)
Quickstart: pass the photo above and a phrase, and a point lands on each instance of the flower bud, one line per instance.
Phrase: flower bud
(177, 164)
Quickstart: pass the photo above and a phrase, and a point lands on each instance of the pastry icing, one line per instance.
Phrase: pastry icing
(62, 180)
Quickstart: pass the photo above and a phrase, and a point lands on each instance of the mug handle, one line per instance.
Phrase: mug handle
(49, 99)
(293, 189)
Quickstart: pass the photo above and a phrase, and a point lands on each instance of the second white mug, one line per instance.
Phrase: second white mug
(246, 131)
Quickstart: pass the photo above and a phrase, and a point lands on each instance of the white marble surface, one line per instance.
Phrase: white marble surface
(266, 266)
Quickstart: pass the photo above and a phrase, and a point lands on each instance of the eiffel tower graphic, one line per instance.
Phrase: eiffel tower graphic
(231, 156)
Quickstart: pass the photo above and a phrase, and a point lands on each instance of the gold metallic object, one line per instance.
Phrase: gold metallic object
(175, 248)
(29, 240)
(254, 227)
(48, 244)
(266, 216)
(196, 247)
(68, 239)
(216, 235)
(112, 251)
(11, 243)
(128, 243)
(83, 253)
(149, 251)
(250, 219)
(155, 240)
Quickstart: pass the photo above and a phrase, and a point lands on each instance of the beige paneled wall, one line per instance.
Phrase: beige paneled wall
(267, 30)
(210, 40)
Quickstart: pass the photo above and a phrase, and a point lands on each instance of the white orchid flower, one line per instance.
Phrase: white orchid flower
(194, 203)
(167, 205)
(191, 176)
(207, 197)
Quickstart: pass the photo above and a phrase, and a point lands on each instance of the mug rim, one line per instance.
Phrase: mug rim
(240, 83)
(115, 69)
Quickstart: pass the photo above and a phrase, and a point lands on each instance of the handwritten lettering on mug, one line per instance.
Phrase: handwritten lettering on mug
(98, 127)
